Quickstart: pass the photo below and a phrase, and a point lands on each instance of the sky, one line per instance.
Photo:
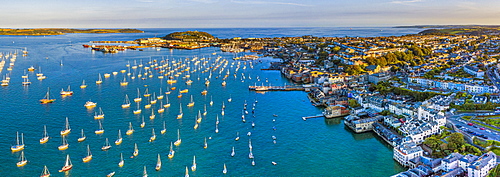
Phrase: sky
(245, 13)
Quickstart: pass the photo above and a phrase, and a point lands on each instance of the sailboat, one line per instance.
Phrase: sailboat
(67, 129)
(45, 172)
(229, 99)
(90, 104)
(126, 103)
(100, 115)
(66, 92)
(124, 82)
(138, 110)
(106, 145)
(171, 153)
(179, 116)
(190, 104)
(153, 136)
(198, 120)
(99, 81)
(83, 85)
(158, 163)
(138, 99)
(145, 173)
(111, 174)
(195, 124)
(205, 144)
(153, 99)
(47, 99)
(68, 165)
(22, 160)
(250, 155)
(130, 130)
(26, 81)
(120, 139)
(232, 152)
(152, 116)
(205, 110)
(64, 144)
(160, 96)
(89, 155)
(122, 162)
(146, 93)
(100, 130)
(136, 150)
(161, 109)
(211, 102)
(45, 137)
(164, 130)
(193, 168)
(179, 141)
(148, 105)
(82, 138)
(143, 123)
(237, 136)
(225, 169)
(167, 104)
(223, 83)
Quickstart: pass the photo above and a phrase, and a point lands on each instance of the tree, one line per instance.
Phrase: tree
(336, 49)
(391, 58)
(371, 61)
(382, 61)
(354, 70)
(455, 139)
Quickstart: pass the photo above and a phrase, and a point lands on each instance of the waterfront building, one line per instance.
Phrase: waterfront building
(406, 152)
(387, 135)
(360, 125)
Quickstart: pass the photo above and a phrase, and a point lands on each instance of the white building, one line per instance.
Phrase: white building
(482, 166)
(405, 152)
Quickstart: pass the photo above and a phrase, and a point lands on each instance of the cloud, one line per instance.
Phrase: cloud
(270, 2)
(405, 2)
(204, 1)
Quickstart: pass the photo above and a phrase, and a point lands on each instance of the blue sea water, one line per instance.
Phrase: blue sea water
(316, 147)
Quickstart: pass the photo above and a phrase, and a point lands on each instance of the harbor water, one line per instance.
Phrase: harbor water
(316, 147)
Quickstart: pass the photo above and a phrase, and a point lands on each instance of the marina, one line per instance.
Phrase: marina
(203, 66)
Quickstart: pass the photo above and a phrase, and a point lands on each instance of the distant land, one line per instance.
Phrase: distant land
(449, 26)
(61, 31)
(194, 35)
(457, 29)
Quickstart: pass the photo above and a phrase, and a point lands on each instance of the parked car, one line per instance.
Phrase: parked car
(482, 128)
(471, 124)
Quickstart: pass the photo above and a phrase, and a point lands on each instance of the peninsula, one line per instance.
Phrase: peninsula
(61, 31)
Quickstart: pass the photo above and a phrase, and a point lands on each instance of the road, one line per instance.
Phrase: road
(463, 124)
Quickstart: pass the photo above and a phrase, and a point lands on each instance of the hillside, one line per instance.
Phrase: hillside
(192, 35)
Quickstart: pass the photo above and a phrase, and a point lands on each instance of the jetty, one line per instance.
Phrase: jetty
(276, 88)
(310, 117)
